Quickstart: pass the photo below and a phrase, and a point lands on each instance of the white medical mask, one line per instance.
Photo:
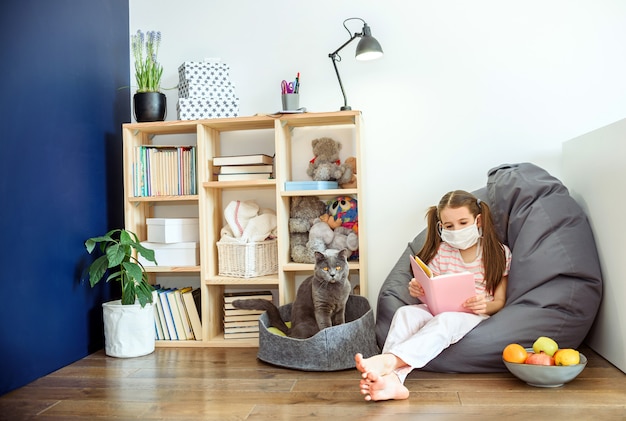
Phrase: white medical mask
(461, 239)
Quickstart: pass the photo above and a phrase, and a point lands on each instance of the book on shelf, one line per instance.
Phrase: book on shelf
(187, 330)
(241, 323)
(240, 329)
(239, 315)
(164, 170)
(159, 321)
(244, 169)
(178, 323)
(445, 292)
(191, 301)
(219, 161)
(244, 176)
(167, 314)
(241, 335)
(230, 297)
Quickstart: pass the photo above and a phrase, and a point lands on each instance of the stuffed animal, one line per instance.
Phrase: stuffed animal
(337, 228)
(323, 237)
(246, 222)
(342, 212)
(305, 210)
(325, 165)
(352, 183)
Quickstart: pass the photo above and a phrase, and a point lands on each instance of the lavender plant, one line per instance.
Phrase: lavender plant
(148, 70)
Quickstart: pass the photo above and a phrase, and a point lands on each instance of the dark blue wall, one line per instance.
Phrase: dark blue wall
(61, 64)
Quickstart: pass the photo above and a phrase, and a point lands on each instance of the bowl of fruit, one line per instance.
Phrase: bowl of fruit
(545, 364)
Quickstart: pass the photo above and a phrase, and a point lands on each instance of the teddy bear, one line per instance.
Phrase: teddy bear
(352, 183)
(337, 228)
(305, 210)
(323, 237)
(325, 165)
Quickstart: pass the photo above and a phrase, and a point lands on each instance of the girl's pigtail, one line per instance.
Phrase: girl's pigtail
(433, 240)
(493, 252)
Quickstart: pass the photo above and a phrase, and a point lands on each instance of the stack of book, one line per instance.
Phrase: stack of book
(244, 167)
(177, 314)
(205, 91)
(164, 170)
(242, 324)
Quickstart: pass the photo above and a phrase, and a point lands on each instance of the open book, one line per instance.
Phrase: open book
(444, 292)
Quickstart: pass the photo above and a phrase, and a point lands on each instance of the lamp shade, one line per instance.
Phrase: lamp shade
(368, 47)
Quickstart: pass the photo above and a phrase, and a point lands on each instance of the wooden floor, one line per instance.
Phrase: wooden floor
(231, 384)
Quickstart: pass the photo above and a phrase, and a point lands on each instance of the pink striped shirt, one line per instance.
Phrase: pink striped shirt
(448, 260)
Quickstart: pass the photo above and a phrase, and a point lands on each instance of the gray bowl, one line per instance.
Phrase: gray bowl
(544, 375)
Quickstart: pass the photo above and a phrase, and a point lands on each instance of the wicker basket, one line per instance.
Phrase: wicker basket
(247, 260)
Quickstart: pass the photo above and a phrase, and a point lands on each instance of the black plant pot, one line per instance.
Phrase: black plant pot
(149, 106)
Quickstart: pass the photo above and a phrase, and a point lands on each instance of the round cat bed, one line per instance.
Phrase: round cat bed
(555, 282)
(331, 349)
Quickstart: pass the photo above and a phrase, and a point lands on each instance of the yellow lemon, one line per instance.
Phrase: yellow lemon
(567, 356)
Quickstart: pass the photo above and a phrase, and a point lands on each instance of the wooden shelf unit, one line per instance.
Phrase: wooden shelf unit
(207, 135)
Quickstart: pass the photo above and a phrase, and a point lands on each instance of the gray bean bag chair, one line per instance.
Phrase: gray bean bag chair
(555, 282)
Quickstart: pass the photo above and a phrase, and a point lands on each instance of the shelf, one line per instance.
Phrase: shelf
(172, 269)
(218, 342)
(289, 135)
(239, 184)
(334, 192)
(308, 267)
(187, 198)
(226, 280)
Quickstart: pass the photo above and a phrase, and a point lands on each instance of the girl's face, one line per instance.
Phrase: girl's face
(457, 218)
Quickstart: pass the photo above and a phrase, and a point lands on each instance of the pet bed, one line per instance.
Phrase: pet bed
(555, 282)
(331, 349)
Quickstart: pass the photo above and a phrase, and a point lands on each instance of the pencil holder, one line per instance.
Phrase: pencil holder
(291, 102)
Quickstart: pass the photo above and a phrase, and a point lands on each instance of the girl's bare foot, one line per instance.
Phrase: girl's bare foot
(382, 388)
(380, 364)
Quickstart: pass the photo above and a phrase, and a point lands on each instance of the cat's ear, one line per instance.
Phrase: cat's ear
(319, 256)
(343, 253)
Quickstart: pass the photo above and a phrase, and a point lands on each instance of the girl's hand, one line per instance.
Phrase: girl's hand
(415, 289)
(476, 304)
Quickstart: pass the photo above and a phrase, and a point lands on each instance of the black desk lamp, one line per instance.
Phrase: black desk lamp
(367, 49)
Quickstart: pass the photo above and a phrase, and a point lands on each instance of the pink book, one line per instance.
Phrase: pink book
(444, 292)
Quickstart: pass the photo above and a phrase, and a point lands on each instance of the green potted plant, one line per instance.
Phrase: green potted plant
(129, 322)
(149, 103)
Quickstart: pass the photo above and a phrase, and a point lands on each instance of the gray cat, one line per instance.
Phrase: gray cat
(320, 301)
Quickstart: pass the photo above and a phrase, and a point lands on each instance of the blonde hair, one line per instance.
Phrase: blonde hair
(494, 258)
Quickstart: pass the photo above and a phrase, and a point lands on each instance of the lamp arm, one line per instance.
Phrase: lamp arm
(333, 56)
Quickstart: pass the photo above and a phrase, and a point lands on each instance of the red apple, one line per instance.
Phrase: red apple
(540, 358)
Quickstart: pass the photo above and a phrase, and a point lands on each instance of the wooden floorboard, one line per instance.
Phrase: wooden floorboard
(231, 384)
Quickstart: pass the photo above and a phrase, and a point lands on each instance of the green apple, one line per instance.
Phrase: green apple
(545, 344)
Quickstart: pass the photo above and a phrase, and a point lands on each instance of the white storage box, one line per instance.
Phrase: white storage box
(196, 89)
(209, 72)
(173, 254)
(201, 108)
(172, 230)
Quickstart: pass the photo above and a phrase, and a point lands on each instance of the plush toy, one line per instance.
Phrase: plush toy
(325, 165)
(342, 212)
(337, 228)
(247, 222)
(351, 163)
(323, 237)
(305, 210)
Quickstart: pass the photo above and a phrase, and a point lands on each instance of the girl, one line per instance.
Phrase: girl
(460, 237)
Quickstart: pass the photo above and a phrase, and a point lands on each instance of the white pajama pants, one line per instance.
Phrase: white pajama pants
(416, 336)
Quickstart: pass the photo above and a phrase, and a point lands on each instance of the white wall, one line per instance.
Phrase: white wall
(464, 85)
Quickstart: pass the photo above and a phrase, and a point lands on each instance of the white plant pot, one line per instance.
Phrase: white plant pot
(128, 329)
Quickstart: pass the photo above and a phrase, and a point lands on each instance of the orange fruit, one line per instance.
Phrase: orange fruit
(514, 353)
(567, 356)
